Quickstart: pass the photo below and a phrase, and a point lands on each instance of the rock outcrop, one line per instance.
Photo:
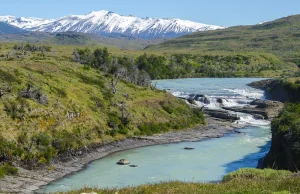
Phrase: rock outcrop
(221, 114)
(279, 90)
(285, 147)
(265, 108)
(283, 154)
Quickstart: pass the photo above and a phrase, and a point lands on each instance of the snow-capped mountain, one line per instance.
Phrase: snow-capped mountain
(24, 23)
(112, 24)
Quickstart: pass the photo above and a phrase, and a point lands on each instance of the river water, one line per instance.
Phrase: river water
(209, 161)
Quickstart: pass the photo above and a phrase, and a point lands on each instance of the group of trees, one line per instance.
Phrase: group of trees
(122, 68)
(31, 47)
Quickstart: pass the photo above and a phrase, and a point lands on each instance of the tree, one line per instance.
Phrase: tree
(144, 79)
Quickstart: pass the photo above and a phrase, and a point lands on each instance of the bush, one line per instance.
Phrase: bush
(152, 128)
(123, 130)
(7, 169)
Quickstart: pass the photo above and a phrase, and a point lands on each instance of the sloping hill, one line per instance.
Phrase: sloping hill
(9, 29)
(50, 105)
(72, 38)
(280, 37)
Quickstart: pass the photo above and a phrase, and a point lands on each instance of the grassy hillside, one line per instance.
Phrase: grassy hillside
(14, 34)
(50, 104)
(243, 181)
(280, 37)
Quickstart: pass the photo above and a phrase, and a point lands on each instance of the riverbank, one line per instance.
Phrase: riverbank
(27, 181)
(285, 149)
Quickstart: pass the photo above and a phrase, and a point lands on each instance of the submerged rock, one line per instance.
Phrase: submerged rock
(123, 162)
(188, 148)
(205, 100)
(134, 165)
(257, 116)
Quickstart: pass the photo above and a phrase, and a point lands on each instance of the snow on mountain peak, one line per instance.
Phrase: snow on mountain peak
(110, 23)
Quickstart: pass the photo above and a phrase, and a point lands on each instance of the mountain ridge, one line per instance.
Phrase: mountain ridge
(10, 29)
(109, 23)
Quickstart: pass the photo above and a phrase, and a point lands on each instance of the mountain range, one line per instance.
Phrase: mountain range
(108, 23)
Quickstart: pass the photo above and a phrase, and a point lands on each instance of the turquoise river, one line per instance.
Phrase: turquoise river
(209, 161)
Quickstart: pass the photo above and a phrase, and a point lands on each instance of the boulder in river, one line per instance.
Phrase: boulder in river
(199, 96)
(257, 116)
(188, 148)
(220, 100)
(205, 100)
(123, 162)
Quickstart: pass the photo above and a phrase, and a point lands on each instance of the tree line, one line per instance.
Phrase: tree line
(147, 67)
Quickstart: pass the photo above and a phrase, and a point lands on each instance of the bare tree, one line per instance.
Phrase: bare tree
(144, 79)
(125, 114)
(133, 73)
(113, 83)
(76, 55)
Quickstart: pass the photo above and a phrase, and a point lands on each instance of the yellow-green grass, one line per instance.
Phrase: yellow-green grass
(244, 181)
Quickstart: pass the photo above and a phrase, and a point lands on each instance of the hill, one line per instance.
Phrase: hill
(280, 37)
(50, 105)
(10, 29)
(72, 38)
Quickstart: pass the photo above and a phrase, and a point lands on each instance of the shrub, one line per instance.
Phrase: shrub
(7, 169)
(123, 130)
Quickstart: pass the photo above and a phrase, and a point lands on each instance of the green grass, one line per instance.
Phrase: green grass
(244, 181)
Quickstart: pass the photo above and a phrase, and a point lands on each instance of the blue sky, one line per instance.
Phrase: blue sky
(218, 12)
